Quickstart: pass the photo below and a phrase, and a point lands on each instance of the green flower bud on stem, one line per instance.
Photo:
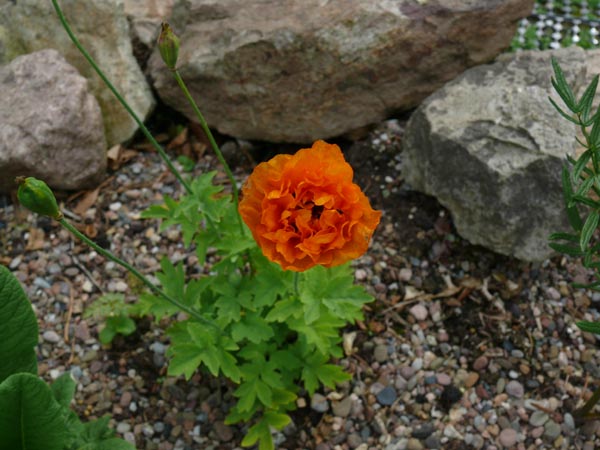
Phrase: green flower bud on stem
(168, 45)
(36, 196)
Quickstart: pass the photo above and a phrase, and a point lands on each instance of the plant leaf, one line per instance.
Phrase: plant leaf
(590, 225)
(585, 103)
(30, 417)
(63, 389)
(18, 328)
(566, 249)
(562, 87)
(590, 327)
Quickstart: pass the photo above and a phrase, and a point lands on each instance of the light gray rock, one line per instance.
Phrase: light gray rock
(145, 17)
(50, 124)
(101, 26)
(291, 71)
(491, 148)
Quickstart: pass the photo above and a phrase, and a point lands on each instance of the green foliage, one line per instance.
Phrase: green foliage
(19, 330)
(535, 38)
(581, 180)
(278, 330)
(590, 327)
(33, 415)
(112, 309)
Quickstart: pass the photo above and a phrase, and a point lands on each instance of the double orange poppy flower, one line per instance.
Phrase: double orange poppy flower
(304, 210)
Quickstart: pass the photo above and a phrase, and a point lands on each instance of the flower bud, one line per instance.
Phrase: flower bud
(168, 45)
(36, 196)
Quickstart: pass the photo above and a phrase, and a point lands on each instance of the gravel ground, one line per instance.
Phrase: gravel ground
(462, 349)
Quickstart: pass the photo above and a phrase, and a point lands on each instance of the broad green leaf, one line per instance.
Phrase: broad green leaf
(30, 417)
(108, 444)
(590, 327)
(63, 389)
(18, 328)
(590, 225)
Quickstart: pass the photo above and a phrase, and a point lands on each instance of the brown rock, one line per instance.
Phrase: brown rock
(480, 363)
(290, 71)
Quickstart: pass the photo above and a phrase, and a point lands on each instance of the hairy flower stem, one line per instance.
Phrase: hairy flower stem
(213, 143)
(155, 289)
(119, 97)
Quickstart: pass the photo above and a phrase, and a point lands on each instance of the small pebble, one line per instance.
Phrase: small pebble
(319, 403)
(342, 408)
(551, 430)
(51, 336)
(443, 379)
(480, 363)
(387, 396)
(380, 353)
(507, 437)
(538, 418)
(515, 389)
(419, 312)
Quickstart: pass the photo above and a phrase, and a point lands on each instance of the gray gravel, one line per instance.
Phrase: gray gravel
(462, 349)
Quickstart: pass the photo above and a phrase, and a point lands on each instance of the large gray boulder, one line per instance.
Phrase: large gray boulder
(101, 25)
(295, 71)
(50, 124)
(145, 17)
(491, 148)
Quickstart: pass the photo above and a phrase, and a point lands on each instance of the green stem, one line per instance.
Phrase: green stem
(589, 405)
(213, 143)
(595, 162)
(155, 289)
(119, 97)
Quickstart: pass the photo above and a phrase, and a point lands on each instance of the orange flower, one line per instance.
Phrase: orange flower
(304, 210)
